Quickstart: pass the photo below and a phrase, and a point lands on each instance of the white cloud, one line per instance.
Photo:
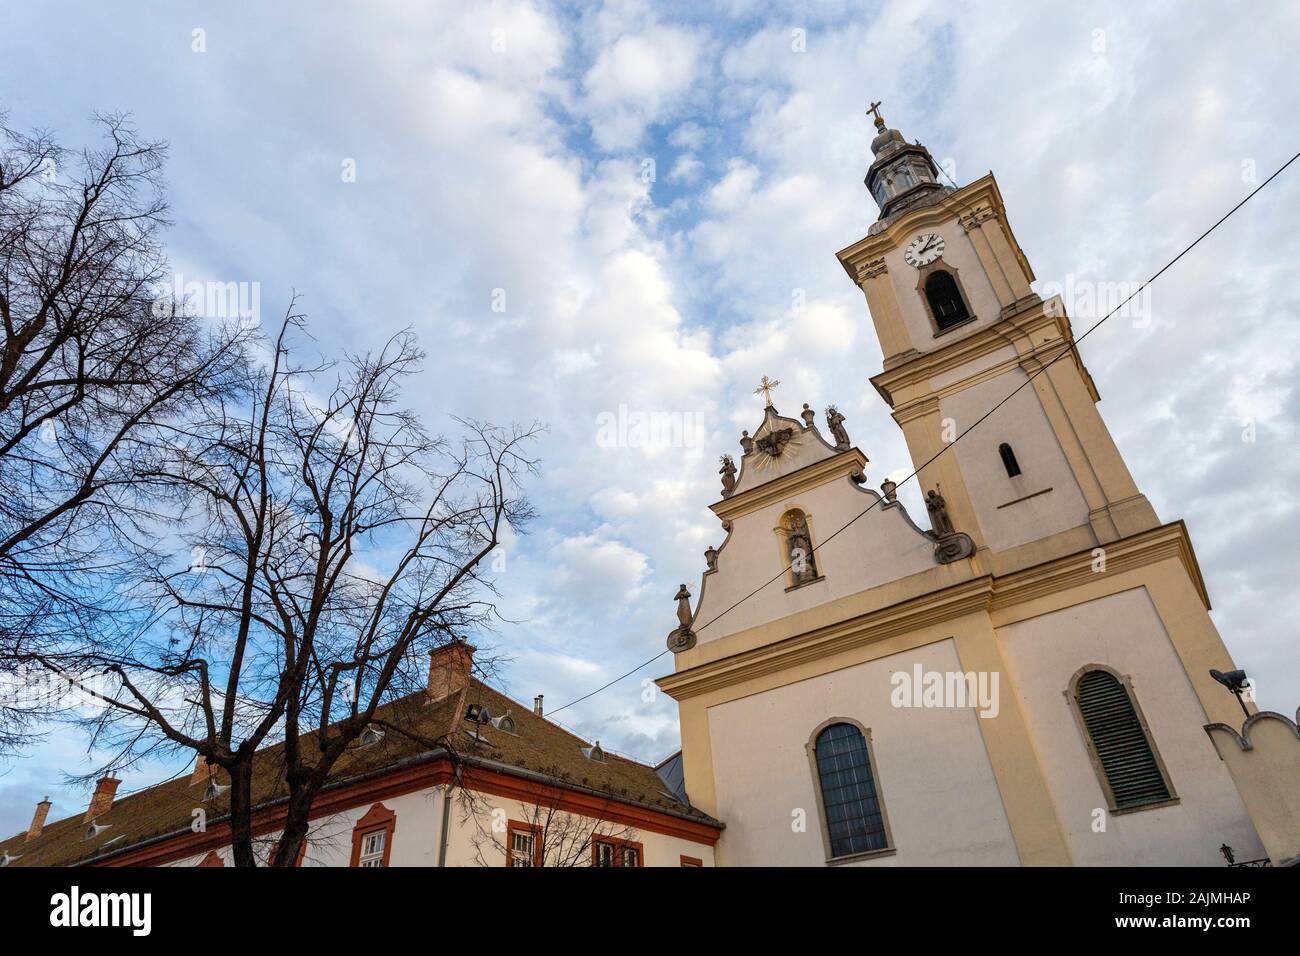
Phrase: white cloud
(637, 81)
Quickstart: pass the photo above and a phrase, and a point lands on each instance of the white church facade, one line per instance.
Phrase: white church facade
(1022, 676)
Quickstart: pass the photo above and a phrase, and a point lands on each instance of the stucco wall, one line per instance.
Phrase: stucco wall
(1022, 424)
(473, 841)
(329, 839)
(931, 769)
(958, 255)
(1125, 632)
(418, 831)
(877, 548)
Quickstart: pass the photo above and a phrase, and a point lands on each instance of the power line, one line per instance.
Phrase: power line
(1071, 347)
(610, 684)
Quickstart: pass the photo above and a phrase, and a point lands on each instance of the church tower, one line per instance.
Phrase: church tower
(1021, 675)
(962, 330)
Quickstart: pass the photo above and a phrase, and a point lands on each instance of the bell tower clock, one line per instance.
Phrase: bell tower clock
(961, 329)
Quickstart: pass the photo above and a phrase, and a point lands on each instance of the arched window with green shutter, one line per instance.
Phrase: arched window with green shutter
(1118, 740)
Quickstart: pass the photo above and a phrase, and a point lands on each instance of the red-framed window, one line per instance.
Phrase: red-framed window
(611, 851)
(523, 844)
(372, 837)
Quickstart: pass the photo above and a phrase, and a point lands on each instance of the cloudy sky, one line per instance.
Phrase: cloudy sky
(583, 207)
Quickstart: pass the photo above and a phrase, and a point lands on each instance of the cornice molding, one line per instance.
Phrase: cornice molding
(979, 198)
(947, 604)
(1018, 330)
(842, 464)
(986, 593)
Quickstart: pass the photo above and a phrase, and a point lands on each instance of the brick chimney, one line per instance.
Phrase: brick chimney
(449, 669)
(38, 819)
(100, 803)
(537, 705)
(203, 771)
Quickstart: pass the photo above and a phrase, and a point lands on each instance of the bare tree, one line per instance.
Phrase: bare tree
(330, 543)
(555, 832)
(95, 369)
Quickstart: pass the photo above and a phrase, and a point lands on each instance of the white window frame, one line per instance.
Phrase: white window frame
(372, 853)
(519, 855)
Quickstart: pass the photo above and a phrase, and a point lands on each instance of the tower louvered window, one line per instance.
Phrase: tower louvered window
(1120, 741)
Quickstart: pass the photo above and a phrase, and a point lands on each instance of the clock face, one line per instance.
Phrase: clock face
(923, 250)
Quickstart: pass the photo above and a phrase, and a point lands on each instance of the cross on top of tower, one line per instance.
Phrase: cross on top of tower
(874, 110)
(765, 389)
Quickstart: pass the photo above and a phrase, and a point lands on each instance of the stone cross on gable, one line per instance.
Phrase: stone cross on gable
(765, 389)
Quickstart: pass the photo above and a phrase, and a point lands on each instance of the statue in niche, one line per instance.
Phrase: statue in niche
(835, 421)
(728, 473)
(938, 509)
(746, 443)
(799, 548)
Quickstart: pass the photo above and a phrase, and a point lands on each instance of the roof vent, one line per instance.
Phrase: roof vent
(7, 859)
(594, 752)
(95, 829)
(203, 771)
(370, 736)
(214, 790)
(537, 705)
(505, 723)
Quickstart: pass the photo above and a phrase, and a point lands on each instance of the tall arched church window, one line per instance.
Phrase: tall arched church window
(1009, 460)
(799, 554)
(946, 303)
(1127, 762)
(852, 812)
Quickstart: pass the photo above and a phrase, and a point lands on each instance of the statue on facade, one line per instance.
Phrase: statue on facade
(746, 443)
(950, 545)
(728, 473)
(835, 421)
(807, 415)
(799, 548)
(682, 638)
(938, 508)
(711, 558)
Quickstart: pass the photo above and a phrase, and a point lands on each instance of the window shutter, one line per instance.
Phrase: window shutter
(1120, 742)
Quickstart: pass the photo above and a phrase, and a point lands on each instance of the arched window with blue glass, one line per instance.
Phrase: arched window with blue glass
(853, 813)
